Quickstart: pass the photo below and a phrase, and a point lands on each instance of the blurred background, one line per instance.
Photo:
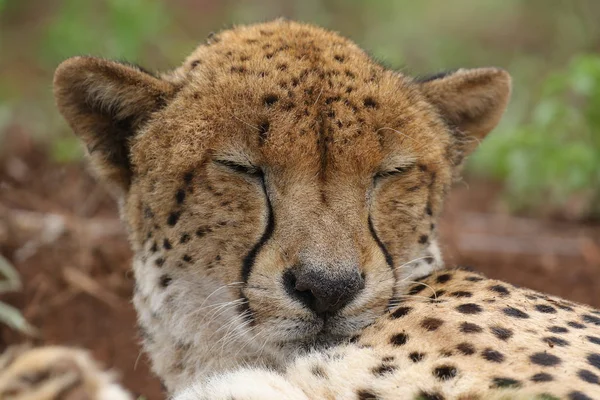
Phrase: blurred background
(527, 212)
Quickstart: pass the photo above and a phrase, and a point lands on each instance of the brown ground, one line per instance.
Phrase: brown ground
(61, 232)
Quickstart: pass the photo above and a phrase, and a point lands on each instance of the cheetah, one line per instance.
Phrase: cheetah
(281, 192)
(53, 373)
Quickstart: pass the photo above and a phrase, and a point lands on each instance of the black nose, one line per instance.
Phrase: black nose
(321, 292)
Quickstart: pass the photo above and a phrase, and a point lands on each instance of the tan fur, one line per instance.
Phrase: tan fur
(435, 345)
(54, 373)
(346, 167)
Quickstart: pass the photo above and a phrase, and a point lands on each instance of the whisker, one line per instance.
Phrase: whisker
(426, 285)
(223, 308)
(244, 122)
(318, 96)
(400, 133)
(412, 261)
(218, 289)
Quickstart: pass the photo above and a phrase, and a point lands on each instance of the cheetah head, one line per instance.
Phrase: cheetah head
(279, 188)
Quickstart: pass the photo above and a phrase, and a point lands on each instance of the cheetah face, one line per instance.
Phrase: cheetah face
(279, 186)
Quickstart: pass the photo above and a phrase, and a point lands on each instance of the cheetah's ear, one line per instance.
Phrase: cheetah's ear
(105, 103)
(471, 101)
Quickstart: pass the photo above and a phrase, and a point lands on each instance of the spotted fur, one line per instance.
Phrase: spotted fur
(55, 373)
(281, 192)
(463, 336)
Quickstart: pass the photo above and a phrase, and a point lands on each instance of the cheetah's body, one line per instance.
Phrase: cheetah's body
(457, 336)
(281, 192)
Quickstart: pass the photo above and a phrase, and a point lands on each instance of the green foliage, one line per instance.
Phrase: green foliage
(9, 315)
(118, 29)
(553, 159)
(546, 150)
(66, 149)
(112, 28)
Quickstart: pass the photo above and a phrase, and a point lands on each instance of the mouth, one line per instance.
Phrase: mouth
(318, 341)
(324, 331)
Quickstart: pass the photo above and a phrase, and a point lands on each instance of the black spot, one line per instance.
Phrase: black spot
(591, 319)
(437, 294)
(330, 100)
(167, 244)
(270, 99)
(542, 377)
(513, 312)
(469, 308)
(187, 177)
(545, 359)
(154, 247)
(431, 324)
(416, 356)
(429, 396)
(194, 63)
(416, 289)
(575, 325)
(318, 371)
(444, 278)
(466, 348)
(558, 329)
(180, 196)
(173, 218)
(445, 372)
(502, 290)
(461, 293)
(577, 395)
(594, 339)
(399, 339)
(366, 395)
(370, 102)
(467, 327)
(501, 333)
(553, 340)
(506, 383)
(240, 69)
(588, 376)
(383, 369)
(594, 360)
(165, 280)
(263, 130)
(339, 58)
(184, 238)
(187, 258)
(401, 312)
(474, 278)
(564, 307)
(423, 239)
(159, 262)
(492, 355)
(545, 309)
